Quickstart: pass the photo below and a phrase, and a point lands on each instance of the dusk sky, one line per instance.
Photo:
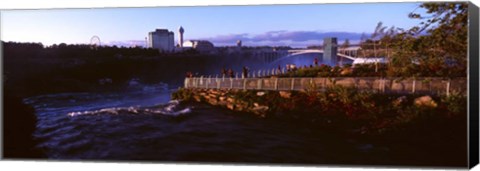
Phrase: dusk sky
(290, 25)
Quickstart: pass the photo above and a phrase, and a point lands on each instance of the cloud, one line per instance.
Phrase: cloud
(284, 38)
(271, 38)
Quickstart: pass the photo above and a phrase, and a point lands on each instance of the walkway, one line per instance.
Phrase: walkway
(425, 85)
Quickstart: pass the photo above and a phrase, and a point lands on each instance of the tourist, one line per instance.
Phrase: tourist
(245, 72)
(315, 61)
(293, 67)
(230, 73)
(189, 74)
(224, 72)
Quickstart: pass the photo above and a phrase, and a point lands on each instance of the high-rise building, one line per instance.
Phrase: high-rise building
(330, 51)
(180, 31)
(161, 39)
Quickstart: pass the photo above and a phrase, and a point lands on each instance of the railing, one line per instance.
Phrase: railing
(425, 85)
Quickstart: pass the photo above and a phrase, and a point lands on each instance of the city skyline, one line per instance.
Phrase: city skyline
(303, 25)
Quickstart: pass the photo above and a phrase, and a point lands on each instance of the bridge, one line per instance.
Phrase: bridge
(343, 54)
(331, 53)
(307, 51)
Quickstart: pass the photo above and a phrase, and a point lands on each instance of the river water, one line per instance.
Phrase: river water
(146, 125)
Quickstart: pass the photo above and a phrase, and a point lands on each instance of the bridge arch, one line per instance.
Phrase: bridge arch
(309, 60)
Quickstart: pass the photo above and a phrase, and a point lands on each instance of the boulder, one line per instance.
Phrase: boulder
(222, 103)
(230, 100)
(230, 106)
(215, 92)
(197, 98)
(260, 110)
(399, 101)
(285, 94)
(212, 96)
(346, 71)
(425, 101)
(213, 102)
(260, 93)
(222, 98)
(240, 107)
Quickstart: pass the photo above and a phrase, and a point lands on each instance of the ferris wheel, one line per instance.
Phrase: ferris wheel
(95, 41)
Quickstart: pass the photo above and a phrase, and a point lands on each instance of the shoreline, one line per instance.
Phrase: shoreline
(435, 124)
(337, 107)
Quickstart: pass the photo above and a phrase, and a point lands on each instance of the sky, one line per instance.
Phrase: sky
(275, 25)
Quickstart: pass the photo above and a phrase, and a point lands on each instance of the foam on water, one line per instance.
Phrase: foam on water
(171, 109)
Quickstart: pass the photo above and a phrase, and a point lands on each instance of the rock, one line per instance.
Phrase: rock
(243, 103)
(203, 94)
(260, 93)
(399, 101)
(285, 94)
(256, 104)
(240, 107)
(215, 92)
(346, 71)
(212, 96)
(222, 98)
(213, 102)
(260, 110)
(425, 101)
(222, 103)
(230, 106)
(230, 100)
(197, 98)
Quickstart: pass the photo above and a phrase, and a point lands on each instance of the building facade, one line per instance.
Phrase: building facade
(330, 51)
(202, 46)
(161, 39)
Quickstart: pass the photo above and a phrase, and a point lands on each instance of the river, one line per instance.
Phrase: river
(145, 125)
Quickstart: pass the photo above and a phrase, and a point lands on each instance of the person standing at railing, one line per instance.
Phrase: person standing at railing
(230, 73)
(189, 74)
(224, 72)
(315, 61)
(245, 72)
(293, 67)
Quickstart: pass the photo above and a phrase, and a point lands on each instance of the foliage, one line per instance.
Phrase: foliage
(182, 94)
(359, 70)
(32, 69)
(438, 47)
(454, 104)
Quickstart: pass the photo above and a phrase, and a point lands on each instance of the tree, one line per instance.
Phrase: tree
(438, 46)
